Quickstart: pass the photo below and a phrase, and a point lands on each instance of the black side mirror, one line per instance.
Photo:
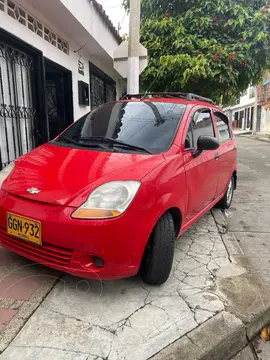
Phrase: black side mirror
(206, 143)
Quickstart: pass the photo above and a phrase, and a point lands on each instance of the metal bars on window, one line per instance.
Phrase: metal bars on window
(97, 91)
(102, 87)
(17, 112)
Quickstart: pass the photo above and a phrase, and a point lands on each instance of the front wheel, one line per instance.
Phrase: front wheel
(158, 256)
(226, 201)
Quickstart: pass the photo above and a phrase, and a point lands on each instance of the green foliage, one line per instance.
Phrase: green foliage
(213, 47)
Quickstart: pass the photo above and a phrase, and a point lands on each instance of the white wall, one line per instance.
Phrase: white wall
(70, 61)
(87, 15)
(265, 121)
(245, 101)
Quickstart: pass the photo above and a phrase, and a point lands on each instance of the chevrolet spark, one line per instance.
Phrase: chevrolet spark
(108, 198)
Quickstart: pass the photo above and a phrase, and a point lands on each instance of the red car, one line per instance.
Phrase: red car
(108, 197)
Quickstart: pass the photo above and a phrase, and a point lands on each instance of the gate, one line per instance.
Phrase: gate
(17, 110)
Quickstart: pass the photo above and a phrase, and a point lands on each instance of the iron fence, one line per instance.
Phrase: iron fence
(17, 111)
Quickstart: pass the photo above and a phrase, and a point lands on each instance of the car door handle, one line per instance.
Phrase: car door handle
(216, 156)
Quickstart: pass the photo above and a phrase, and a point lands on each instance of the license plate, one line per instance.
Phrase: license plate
(24, 228)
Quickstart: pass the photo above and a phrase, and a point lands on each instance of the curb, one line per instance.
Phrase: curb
(247, 310)
(219, 338)
(246, 133)
(254, 138)
(257, 315)
(262, 139)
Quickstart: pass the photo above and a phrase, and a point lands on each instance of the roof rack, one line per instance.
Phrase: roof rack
(173, 95)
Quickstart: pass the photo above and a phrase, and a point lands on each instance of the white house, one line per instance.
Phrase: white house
(242, 113)
(263, 101)
(56, 61)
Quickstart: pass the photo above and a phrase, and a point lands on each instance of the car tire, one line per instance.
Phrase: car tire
(158, 256)
(226, 201)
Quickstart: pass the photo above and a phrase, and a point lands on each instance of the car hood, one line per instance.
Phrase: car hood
(66, 176)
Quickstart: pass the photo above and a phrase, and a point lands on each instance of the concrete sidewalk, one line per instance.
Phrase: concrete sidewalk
(248, 218)
(239, 132)
(211, 306)
(23, 286)
(254, 136)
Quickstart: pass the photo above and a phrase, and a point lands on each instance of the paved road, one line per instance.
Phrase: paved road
(249, 217)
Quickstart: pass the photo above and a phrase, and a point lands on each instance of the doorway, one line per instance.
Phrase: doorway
(259, 117)
(22, 99)
(248, 119)
(241, 119)
(58, 84)
(252, 118)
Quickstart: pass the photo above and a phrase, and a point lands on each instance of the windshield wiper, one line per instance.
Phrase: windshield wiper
(78, 143)
(115, 142)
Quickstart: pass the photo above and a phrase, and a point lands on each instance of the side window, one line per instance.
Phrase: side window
(189, 144)
(223, 127)
(202, 124)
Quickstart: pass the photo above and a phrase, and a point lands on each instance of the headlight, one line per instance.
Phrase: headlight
(5, 173)
(108, 201)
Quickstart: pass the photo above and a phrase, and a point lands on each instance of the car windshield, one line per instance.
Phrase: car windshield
(146, 126)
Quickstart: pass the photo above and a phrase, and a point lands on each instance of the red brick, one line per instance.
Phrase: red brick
(5, 316)
(19, 286)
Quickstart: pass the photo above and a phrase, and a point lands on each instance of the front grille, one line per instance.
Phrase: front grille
(47, 254)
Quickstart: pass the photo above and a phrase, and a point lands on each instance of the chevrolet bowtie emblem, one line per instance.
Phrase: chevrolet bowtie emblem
(33, 191)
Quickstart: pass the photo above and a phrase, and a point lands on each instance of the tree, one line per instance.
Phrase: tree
(212, 47)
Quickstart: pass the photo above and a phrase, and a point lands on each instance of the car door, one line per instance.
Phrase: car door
(226, 162)
(201, 172)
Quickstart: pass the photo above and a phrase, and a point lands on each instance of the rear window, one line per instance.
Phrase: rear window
(151, 125)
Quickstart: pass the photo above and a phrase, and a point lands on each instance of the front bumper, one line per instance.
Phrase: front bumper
(70, 245)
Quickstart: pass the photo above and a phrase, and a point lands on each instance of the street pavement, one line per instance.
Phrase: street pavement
(249, 217)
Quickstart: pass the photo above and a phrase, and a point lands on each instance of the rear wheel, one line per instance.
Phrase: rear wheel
(226, 201)
(158, 256)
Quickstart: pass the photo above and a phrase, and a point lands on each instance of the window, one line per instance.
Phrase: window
(223, 127)
(202, 124)
(251, 92)
(103, 88)
(189, 144)
(151, 125)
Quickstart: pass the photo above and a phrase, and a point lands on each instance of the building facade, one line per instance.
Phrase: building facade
(264, 101)
(242, 114)
(56, 63)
